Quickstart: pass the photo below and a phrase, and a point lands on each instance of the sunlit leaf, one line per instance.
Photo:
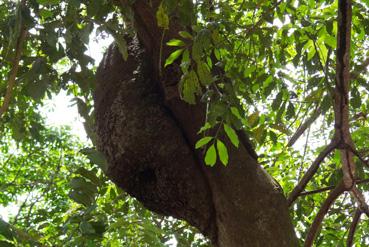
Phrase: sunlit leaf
(231, 135)
(203, 141)
(172, 57)
(211, 156)
(222, 152)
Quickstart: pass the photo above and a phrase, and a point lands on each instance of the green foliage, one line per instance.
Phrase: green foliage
(65, 199)
(162, 17)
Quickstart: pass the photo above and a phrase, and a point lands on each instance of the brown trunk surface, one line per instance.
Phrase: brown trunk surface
(148, 135)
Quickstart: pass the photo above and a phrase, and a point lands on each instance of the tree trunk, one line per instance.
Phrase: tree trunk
(148, 135)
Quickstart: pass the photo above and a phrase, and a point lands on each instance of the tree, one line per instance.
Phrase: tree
(189, 90)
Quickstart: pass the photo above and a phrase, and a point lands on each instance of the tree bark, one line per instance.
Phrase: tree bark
(148, 135)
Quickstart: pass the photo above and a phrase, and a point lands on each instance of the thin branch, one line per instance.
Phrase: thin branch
(310, 172)
(304, 127)
(333, 195)
(24, 204)
(305, 193)
(353, 226)
(48, 188)
(357, 154)
(360, 69)
(14, 71)
(360, 200)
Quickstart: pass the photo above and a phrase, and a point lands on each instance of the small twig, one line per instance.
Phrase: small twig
(353, 226)
(333, 195)
(361, 68)
(304, 154)
(305, 193)
(303, 127)
(310, 172)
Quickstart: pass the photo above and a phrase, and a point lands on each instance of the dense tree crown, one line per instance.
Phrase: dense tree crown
(286, 80)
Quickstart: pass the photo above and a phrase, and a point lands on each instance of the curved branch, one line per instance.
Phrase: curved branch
(333, 195)
(355, 222)
(310, 173)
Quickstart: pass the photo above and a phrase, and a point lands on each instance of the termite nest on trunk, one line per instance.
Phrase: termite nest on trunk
(147, 152)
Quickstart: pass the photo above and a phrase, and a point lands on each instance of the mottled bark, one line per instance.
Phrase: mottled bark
(148, 134)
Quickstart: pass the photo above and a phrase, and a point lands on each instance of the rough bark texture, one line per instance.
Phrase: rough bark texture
(148, 137)
(148, 155)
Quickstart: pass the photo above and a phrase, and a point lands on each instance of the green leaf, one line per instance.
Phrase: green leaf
(81, 198)
(162, 17)
(211, 156)
(204, 74)
(185, 35)
(231, 135)
(45, 13)
(203, 141)
(190, 87)
(259, 134)
(6, 244)
(81, 184)
(290, 111)
(236, 112)
(277, 101)
(176, 42)
(89, 175)
(45, 2)
(253, 119)
(95, 157)
(186, 62)
(205, 127)
(122, 47)
(223, 152)
(86, 228)
(172, 57)
(355, 98)
(196, 50)
(5, 230)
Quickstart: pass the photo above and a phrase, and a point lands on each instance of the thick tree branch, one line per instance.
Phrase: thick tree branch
(333, 195)
(310, 172)
(353, 226)
(341, 92)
